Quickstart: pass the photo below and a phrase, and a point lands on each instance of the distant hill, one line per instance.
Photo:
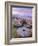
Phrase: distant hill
(23, 13)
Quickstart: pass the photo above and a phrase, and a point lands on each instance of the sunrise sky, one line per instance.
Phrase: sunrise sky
(22, 12)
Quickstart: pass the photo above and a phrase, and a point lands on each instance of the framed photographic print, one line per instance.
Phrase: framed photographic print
(20, 22)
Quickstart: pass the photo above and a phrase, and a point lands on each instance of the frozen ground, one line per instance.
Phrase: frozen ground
(24, 31)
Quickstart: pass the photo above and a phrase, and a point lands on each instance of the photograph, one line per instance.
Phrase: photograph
(21, 22)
